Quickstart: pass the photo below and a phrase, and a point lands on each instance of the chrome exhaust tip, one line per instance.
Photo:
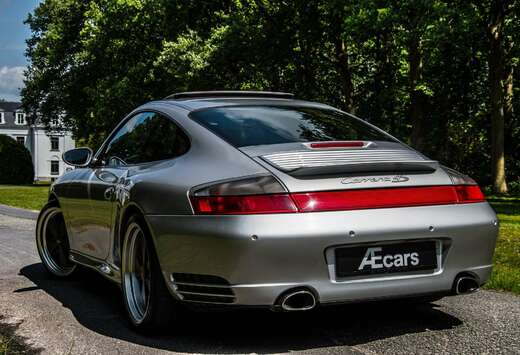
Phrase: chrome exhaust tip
(301, 300)
(465, 285)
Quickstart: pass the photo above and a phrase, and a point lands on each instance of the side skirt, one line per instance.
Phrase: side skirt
(111, 272)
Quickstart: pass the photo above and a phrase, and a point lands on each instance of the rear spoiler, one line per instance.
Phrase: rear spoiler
(424, 167)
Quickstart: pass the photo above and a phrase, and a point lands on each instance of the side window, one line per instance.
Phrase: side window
(146, 137)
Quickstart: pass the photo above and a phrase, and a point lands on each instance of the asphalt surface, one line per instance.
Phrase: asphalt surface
(18, 212)
(85, 315)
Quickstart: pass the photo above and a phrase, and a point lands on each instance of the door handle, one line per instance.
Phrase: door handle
(109, 193)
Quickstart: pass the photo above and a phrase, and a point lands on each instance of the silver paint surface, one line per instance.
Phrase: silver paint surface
(264, 255)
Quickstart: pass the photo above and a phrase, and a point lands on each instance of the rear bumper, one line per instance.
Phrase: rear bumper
(293, 250)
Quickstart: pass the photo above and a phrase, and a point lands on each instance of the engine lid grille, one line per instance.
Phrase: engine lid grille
(352, 159)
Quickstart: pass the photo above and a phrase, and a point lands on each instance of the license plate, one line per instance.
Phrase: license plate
(385, 258)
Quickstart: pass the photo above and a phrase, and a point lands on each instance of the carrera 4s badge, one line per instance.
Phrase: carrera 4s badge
(361, 180)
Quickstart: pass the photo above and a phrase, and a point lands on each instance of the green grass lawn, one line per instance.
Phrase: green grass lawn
(32, 197)
(506, 272)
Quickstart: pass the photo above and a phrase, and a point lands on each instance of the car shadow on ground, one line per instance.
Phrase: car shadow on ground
(96, 304)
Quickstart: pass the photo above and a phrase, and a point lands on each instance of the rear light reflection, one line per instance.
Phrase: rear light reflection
(337, 200)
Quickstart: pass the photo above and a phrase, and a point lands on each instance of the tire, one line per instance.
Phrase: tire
(52, 242)
(148, 303)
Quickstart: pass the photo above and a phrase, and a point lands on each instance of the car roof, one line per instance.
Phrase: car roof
(192, 101)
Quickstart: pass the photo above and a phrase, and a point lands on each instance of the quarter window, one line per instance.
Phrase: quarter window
(146, 137)
(55, 143)
(55, 167)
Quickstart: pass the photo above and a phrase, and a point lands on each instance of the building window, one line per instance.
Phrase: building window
(2, 120)
(55, 143)
(21, 140)
(55, 167)
(20, 118)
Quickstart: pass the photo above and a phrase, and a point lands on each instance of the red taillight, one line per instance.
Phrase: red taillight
(205, 203)
(469, 193)
(337, 144)
(375, 198)
(386, 198)
(252, 204)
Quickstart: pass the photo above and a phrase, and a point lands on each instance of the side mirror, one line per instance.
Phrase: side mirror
(79, 157)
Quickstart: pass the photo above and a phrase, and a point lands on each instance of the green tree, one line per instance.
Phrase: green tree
(428, 71)
(16, 162)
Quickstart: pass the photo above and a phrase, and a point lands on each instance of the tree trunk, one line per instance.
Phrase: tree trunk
(508, 95)
(497, 92)
(416, 96)
(345, 75)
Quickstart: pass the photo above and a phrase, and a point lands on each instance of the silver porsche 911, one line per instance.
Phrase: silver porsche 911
(258, 199)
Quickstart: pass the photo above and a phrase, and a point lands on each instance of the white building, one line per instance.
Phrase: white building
(46, 147)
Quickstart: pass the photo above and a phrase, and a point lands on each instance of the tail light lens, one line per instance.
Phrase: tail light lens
(264, 194)
(252, 195)
(253, 185)
(254, 204)
(466, 188)
(386, 198)
(469, 193)
(458, 178)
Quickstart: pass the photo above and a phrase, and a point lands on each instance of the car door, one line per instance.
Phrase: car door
(144, 138)
(95, 238)
(74, 201)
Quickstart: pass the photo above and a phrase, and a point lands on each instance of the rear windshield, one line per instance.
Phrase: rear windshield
(245, 126)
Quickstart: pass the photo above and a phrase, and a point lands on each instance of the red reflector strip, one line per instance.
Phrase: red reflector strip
(337, 200)
(251, 204)
(386, 198)
(349, 144)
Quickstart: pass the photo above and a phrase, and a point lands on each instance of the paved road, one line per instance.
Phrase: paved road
(85, 316)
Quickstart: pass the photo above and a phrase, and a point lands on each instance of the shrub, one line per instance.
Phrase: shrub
(514, 187)
(16, 165)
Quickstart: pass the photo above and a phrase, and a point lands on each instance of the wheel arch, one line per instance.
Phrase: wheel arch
(129, 210)
(53, 199)
(52, 207)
